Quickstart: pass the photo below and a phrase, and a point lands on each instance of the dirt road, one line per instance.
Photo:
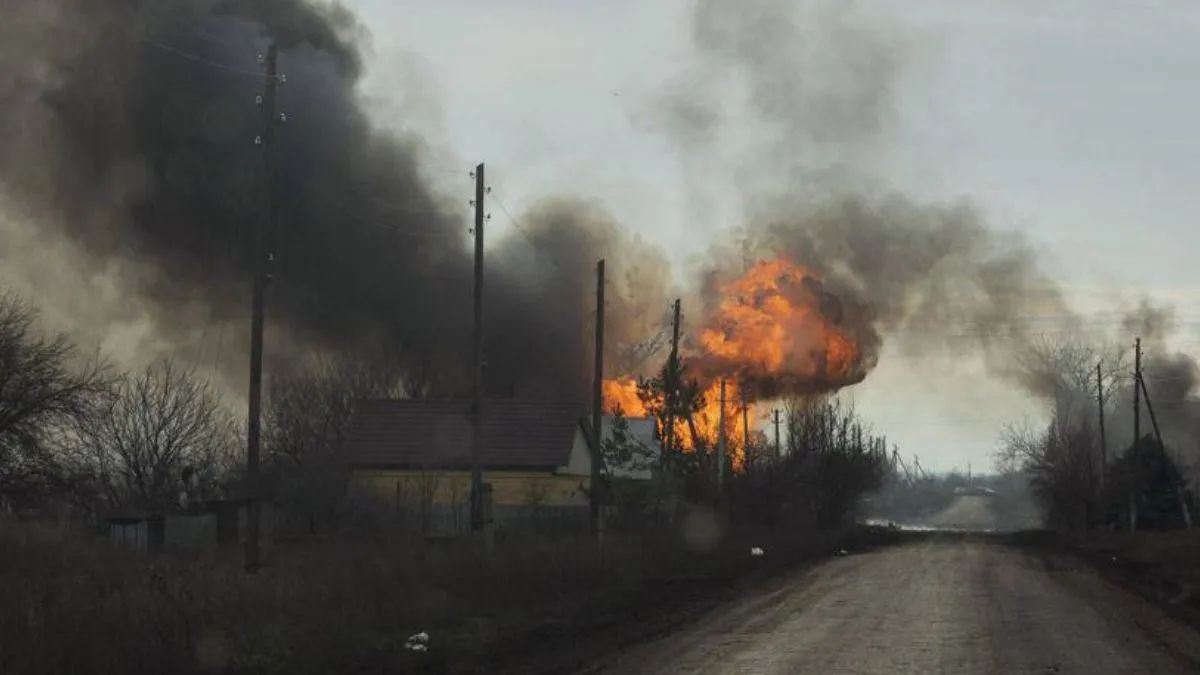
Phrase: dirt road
(946, 604)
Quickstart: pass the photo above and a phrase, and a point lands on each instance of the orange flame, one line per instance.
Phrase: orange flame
(779, 330)
(622, 393)
(704, 427)
(773, 330)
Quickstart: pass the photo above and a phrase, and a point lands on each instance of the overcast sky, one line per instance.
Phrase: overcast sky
(1073, 122)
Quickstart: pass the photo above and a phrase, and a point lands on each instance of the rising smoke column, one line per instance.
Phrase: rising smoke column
(794, 103)
(547, 269)
(131, 130)
(798, 99)
(1171, 377)
(135, 125)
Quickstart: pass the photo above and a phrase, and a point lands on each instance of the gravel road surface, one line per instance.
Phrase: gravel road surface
(945, 604)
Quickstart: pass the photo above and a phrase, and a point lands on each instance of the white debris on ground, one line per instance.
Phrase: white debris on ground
(417, 642)
(841, 552)
(757, 552)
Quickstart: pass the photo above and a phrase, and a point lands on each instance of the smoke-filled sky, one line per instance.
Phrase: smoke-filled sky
(1069, 123)
(971, 177)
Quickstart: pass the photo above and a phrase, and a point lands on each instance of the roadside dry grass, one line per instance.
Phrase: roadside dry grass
(75, 604)
(1163, 567)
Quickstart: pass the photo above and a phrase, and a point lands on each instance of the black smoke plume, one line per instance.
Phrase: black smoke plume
(132, 128)
(1170, 376)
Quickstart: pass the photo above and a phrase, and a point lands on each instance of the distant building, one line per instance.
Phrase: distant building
(642, 431)
(411, 460)
(638, 488)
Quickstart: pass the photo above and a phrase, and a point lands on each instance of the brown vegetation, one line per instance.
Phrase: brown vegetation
(74, 603)
(345, 595)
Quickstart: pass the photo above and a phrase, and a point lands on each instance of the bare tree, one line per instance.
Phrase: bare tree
(1062, 370)
(832, 460)
(1062, 463)
(1064, 459)
(153, 428)
(43, 385)
(308, 415)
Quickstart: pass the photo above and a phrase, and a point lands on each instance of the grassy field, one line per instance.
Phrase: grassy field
(73, 603)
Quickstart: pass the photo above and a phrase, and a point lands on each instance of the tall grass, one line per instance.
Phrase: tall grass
(73, 603)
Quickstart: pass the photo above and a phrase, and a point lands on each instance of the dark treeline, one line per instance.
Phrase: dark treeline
(829, 458)
(1083, 478)
(830, 461)
(78, 433)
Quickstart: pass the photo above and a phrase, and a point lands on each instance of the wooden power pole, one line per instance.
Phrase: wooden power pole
(1137, 377)
(1180, 492)
(1100, 416)
(261, 259)
(1141, 382)
(1137, 424)
(597, 402)
(745, 426)
(778, 447)
(671, 393)
(721, 443)
(477, 440)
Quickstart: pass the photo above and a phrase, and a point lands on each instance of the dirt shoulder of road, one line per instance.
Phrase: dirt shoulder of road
(586, 639)
(1162, 567)
(954, 602)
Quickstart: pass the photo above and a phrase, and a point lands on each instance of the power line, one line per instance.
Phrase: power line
(398, 232)
(342, 208)
(200, 59)
(191, 25)
(369, 195)
(1172, 378)
(392, 229)
(520, 228)
(516, 224)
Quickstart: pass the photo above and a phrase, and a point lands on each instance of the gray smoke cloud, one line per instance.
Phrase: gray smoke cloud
(130, 147)
(548, 265)
(1170, 376)
(1061, 370)
(781, 93)
(797, 102)
(129, 184)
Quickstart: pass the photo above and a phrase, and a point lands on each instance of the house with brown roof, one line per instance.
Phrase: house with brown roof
(411, 459)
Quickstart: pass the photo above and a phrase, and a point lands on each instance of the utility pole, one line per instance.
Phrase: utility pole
(745, 426)
(900, 460)
(1150, 408)
(1179, 489)
(1137, 377)
(721, 443)
(1137, 424)
(261, 258)
(1100, 414)
(597, 401)
(778, 447)
(671, 394)
(477, 441)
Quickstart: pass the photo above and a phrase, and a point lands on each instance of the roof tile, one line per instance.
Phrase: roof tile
(518, 433)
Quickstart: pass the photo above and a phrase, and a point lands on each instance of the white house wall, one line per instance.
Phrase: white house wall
(580, 462)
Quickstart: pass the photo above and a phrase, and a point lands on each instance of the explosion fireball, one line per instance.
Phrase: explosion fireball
(772, 331)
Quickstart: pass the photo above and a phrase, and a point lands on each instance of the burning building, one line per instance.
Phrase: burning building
(769, 332)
